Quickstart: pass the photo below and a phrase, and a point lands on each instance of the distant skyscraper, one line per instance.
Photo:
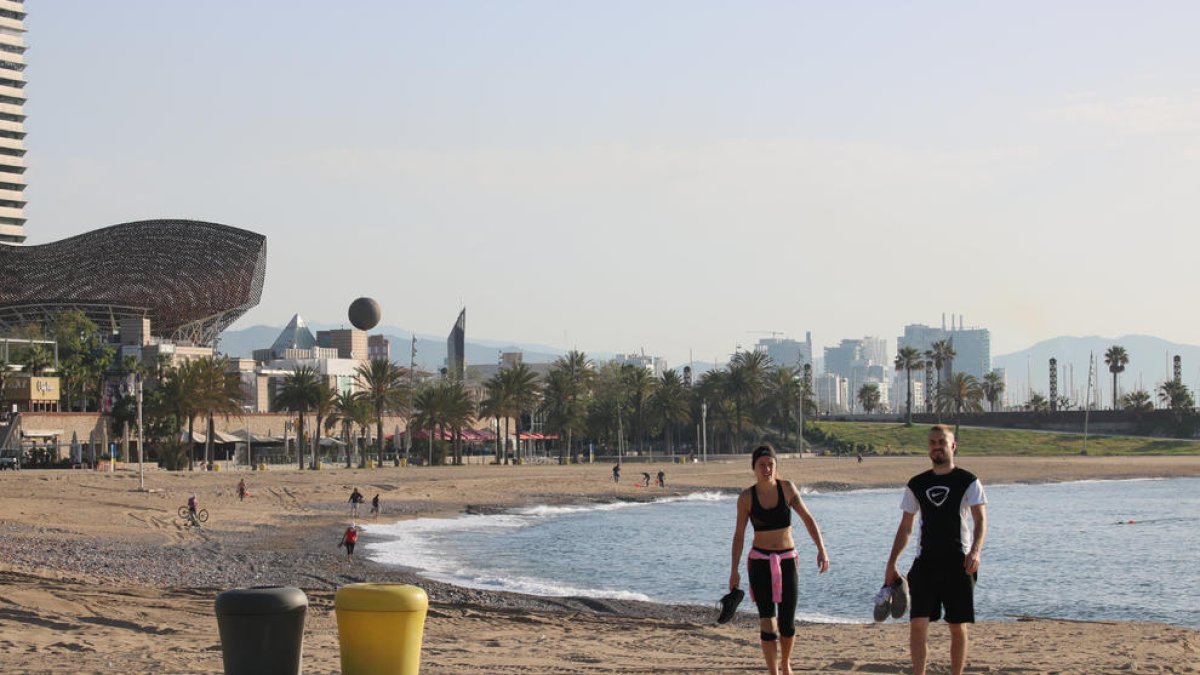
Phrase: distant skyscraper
(456, 347)
(12, 122)
(786, 352)
(840, 359)
(972, 346)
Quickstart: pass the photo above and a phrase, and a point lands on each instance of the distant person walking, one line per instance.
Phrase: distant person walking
(772, 564)
(242, 491)
(645, 479)
(375, 506)
(662, 478)
(349, 539)
(944, 573)
(356, 498)
(617, 473)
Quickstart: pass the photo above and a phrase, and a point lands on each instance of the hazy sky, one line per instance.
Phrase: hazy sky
(670, 176)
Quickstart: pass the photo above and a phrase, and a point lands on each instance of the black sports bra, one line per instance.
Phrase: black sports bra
(776, 518)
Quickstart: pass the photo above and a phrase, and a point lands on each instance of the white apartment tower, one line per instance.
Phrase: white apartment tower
(12, 121)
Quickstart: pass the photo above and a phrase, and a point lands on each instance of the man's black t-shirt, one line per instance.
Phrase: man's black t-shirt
(944, 502)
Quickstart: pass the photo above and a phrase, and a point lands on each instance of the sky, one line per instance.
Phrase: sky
(675, 177)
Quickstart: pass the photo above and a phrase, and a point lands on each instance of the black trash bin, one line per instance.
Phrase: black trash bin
(262, 630)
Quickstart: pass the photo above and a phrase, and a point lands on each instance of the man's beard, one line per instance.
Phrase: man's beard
(941, 458)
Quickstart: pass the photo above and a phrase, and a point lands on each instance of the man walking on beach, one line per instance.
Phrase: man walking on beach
(947, 563)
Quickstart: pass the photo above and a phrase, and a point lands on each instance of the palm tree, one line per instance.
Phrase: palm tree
(783, 393)
(325, 405)
(495, 406)
(178, 387)
(1175, 396)
(442, 407)
(521, 393)
(639, 385)
(670, 405)
(869, 397)
(383, 384)
(299, 393)
(993, 387)
(342, 415)
(961, 393)
(746, 381)
(218, 392)
(1117, 358)
(1138, 401)
(908, 359)
(1037, 403)
(565, 396)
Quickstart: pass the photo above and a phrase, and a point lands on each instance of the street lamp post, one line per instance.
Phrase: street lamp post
(141, 438)
(704, 429)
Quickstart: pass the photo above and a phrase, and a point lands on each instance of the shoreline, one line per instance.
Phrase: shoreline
(100, 577)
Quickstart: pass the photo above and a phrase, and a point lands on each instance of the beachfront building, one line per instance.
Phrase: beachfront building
(12, 122)
(833, 393)
(787, 352)
(189, 279)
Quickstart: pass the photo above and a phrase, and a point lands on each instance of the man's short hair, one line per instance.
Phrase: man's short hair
(944, 429)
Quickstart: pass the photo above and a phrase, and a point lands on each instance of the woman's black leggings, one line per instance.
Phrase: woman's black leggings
(760, 586)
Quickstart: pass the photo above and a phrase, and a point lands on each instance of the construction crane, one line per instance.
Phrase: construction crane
(773, 333)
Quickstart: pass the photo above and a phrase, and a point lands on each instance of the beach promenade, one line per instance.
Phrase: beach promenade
(98, 577)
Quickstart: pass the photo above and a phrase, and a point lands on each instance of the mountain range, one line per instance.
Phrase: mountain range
(1150, 363)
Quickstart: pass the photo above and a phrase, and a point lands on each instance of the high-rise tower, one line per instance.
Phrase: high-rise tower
(12, 121)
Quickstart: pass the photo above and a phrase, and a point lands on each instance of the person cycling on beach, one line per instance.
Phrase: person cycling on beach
(767, 506)
(193, 507)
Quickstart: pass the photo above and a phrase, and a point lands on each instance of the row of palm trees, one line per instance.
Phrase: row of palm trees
(960, 393)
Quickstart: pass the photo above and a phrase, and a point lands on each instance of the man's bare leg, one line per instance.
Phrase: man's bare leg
(958, 648)
(918, 634)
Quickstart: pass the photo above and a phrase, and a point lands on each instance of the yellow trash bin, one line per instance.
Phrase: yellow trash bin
(370, 464)
(380, 628)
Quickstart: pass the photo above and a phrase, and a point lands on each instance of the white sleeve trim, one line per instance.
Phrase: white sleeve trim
(975, 495)
(909, 503)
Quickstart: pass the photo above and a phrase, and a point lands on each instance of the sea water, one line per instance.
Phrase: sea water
(1095, 550)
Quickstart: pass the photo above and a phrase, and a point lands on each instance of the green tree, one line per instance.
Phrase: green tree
(639, 387)
(1117, 358)
(566, 395)
(218, 392)
(1175, 396)
(670, 405)
(522, 393)
(961, 393)
(869, 397)
(1037, 403)
(907, 360)
(325, 406)
(783, 395)
(443, 409)
(348, 410)
(299, 394)
(745, 385)
(1137, 401)
(993, 387)
(179, 387)
(382, 383)
(495, 406)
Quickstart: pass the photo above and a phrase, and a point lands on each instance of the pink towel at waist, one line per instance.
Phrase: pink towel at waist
(776, 571)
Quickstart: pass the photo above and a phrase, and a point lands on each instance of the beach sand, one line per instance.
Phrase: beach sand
(96, 576)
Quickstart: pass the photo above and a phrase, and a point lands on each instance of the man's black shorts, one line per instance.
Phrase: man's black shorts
(937, 583)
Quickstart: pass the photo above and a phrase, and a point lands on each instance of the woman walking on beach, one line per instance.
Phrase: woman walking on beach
(767, 506)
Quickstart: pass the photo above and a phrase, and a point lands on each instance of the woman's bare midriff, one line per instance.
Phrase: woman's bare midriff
(774, 540)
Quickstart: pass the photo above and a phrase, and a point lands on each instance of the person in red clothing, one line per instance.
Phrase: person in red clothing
(349, 539)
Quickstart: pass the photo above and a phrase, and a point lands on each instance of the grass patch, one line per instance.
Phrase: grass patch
(898, 439)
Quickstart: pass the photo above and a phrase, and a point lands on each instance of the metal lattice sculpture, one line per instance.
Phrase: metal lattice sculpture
(192, 279)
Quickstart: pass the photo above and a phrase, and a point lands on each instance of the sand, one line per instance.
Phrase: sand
(96, 576)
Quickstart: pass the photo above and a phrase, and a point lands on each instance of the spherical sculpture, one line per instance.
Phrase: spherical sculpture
(364, 313)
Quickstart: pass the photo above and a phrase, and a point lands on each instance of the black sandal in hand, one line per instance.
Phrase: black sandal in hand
(729, 604)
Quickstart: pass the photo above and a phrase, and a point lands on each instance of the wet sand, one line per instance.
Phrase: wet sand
(96, 576)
